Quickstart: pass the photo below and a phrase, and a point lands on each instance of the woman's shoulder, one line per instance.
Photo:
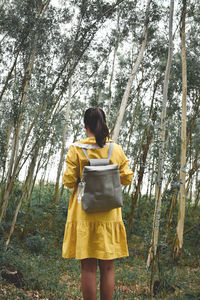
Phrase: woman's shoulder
(118, 150)
(90, 143)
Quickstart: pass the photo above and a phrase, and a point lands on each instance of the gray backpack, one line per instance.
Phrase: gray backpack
(100, 188)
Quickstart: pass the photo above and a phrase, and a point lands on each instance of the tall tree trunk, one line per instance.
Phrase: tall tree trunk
(197, 191)
(62, 152)
(193, 120)
(195, 166)
(24, 191)
(8, 134)
(178, 241)
(29, 195)
(143, 158)
(9, 76)
(132, 76)
(112, 70)
(158, 187)
(146, 133)
(152, 176)
(171, 210)
(134, 115)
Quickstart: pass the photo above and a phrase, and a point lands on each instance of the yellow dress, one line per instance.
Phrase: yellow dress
(95, 235)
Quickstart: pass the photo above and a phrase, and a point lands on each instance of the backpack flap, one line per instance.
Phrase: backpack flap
(100, 187)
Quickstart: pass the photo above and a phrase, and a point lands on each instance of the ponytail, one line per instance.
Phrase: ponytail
(95, 119)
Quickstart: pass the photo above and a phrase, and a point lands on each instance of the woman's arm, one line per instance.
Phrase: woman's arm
(72, 172)
(126, 175)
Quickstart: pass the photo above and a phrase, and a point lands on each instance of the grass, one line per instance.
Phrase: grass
(35, 251)
(51, 277)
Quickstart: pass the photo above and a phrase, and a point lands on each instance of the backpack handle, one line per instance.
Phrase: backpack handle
(110, 150)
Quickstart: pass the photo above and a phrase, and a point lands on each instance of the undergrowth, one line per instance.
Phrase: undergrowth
(35, 251)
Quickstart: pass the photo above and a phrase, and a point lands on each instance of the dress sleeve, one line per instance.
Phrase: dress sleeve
(71, 174)
(126, 175)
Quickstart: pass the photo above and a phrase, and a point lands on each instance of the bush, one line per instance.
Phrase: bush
(35, 244)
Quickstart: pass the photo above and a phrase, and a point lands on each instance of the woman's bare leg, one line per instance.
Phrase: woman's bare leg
(88, 278)
(107, 279)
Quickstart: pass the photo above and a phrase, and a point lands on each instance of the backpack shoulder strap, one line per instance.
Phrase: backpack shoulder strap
(110, 150)
(85, 152)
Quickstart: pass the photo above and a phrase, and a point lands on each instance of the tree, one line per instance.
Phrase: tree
(178, 242)
(132, 76)
(41, 74)
(159, 178)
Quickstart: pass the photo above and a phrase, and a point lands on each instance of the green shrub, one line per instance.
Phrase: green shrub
(35, 244)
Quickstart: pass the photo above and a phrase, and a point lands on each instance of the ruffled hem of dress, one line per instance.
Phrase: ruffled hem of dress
(101, 240)
(98, 256)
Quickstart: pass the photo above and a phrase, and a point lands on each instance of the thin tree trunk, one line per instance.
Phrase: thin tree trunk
(11, 169)
(11, 179)
(166, 185)
(130, 132)
(194, 118)
(197, 192)
(195, 166)
(132, 76)
(29, 195)
(9, 76)
(146, 131)
(24, 191)
(172, 206)
(3, 179)
(134, 115)
(152, 177)
(178, 241)
(112, 70)
(64, 136)
(158, 187)
(134, 196)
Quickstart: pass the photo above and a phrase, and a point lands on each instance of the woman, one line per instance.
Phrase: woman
(94, 237)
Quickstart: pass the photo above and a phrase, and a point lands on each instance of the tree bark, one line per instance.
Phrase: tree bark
(56, 196)
(178, 241)
(134, 196)
(147, 129)
(197, 191)
(134, 115)
(158, 187)
(24, 191)
(112, 70)
(195, 166)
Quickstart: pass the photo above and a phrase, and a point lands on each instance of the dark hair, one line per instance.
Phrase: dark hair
(95, 119)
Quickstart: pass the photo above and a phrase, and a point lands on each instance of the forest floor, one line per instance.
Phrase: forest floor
(35, 251)
(56, 278)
